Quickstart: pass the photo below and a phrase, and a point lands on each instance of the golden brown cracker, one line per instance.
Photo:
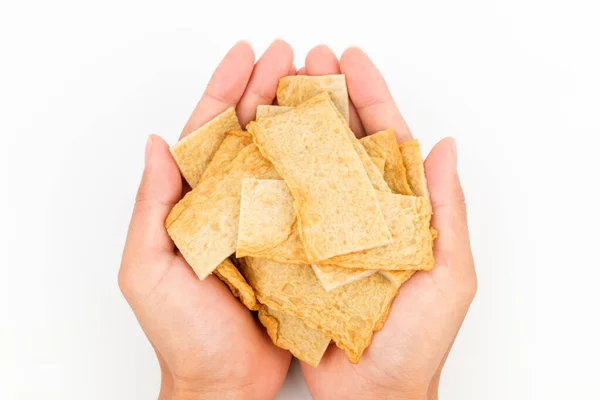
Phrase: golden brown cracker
(333, 277)
(194, 152)
(415, 171)
(233, 143)
(293, 334)
(263, 111)
(204, 223)
(348, 315)
(383, 144)
(229, 274)
(293, 90)
(407, 217)
(337, 210)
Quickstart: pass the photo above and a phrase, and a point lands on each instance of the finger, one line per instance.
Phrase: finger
(301, 71)
(371, 96)
(159, 190)
(292, 70)
(275, 63)
(452, 247)
(225, 88)
(321, 60)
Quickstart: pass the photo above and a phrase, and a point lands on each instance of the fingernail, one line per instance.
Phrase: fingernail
(148, 149)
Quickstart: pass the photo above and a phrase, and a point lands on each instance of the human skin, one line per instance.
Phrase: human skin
(208, 345)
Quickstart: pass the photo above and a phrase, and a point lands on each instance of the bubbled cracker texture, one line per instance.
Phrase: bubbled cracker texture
(229, 274)
(194, 152)
(263, 111)
(383, 144)
(337, 211)
(204, 224)
(408, 218)
(348, 314)
(233, 143)
(291, 333)
(379, 163)
(294, 90)
(333, 277)
(415, 171)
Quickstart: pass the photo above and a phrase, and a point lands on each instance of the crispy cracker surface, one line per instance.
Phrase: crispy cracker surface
(348, 314)
(194, 152)
(293, 334)
(204, 224)
(293, 90)
(337, 210)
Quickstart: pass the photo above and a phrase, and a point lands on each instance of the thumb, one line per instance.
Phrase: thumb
(159, 190)
(452, 247)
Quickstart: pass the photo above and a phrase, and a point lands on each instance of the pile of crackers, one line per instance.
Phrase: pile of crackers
(307, 225)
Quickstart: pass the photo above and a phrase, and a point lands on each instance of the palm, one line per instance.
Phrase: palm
(194, 317)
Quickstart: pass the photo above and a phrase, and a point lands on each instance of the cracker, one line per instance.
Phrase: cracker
(415, 171)
(233, 143)
(194, 152)
(348, 315)
(408, 218)
(204, 223)
(333, 277)
(397, 277)
(383, 144)
(263, 111)
(229, 274)
(335, 202)
(293, 90)
(291, 333)
(379, 163)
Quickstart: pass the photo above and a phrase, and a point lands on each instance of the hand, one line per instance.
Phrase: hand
(207, 343)
(406, 357)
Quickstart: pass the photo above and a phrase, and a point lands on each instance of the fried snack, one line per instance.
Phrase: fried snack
(407, 217)
(348, 315)
(263, 111)
(379, 163)
(204, 223)
(397, 277)
(233, 143)
(337, 209)
(333, 277)
(229, 274)
(194, 152)
(383, 144)
(293, 90)
(415, 171)
(293, 334)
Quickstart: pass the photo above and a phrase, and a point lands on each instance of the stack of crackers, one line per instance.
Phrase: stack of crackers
(307, 225)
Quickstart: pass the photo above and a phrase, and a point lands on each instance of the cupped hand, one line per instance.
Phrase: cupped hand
(406, 357)
(207, 343)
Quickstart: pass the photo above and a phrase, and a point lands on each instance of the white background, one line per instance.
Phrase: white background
(516, 82)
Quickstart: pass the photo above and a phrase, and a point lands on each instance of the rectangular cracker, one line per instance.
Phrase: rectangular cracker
(407, 217)
(333, 277)
(337, 209)
(291, 333)
(204, 223)
(348, 315)
(397, 277)
(233, 143)
(263, 111)
(415, 171)
(379, 163)
(293, 90)
(194, 152)
(229, 274)
(383, 144)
